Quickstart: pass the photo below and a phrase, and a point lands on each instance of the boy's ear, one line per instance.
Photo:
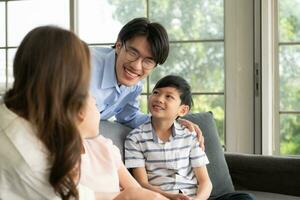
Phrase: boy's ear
(183, 110)
(118, 47)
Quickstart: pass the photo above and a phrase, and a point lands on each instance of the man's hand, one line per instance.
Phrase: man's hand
(193, 127)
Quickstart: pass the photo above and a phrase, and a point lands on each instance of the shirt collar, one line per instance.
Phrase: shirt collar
(177, 130)
(109, 76)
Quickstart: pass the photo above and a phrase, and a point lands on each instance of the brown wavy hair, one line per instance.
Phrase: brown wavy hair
(52, 72)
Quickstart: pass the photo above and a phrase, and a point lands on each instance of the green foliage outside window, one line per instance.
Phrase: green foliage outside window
(289, 75)
(196, 33)
(196, 49)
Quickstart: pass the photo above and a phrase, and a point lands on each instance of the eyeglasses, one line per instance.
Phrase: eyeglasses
(132, 55)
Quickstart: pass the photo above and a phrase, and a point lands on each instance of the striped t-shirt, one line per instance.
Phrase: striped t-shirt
(170, 164)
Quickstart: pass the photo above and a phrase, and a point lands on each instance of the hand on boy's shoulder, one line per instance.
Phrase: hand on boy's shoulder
(193, 128)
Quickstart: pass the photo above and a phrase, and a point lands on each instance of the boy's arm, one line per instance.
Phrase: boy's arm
(140, 175)
(204, 183)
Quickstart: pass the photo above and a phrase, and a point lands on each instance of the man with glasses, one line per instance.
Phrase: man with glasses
(117, 72)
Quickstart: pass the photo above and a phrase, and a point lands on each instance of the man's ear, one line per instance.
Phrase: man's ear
(118, 47)
(183, 110)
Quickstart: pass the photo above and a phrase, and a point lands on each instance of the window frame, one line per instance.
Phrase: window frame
(278, 112)
(266, 129)
(147, 80)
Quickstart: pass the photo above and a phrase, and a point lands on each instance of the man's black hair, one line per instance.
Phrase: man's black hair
(154, 32)
(180, 84)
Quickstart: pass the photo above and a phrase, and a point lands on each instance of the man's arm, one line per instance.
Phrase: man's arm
(131, 114)
(140, 175)
(204, 183)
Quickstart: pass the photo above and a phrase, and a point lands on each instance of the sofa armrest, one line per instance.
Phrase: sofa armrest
(265, 173)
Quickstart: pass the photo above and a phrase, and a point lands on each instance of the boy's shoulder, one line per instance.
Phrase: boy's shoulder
(141, 131)
(182, 130)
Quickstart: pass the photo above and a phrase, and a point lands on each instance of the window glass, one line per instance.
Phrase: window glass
(215, 104)
(2, 71)
(289, 72)
(2, 24)
(189, 20)
(101, 21)
(201, 64)
(23, 16)
(143, 101)
(289, 20)
(11, 55)
(290, 134)
(289, 76)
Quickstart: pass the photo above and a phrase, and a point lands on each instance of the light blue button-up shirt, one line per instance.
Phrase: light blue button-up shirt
(112, 99)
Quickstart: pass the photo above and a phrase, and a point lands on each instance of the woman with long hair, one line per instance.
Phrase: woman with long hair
(41, 117)
(40, 145)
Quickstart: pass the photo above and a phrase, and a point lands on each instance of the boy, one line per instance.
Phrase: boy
(164, 155)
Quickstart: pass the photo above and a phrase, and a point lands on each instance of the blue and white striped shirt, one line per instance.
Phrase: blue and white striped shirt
(170, 164)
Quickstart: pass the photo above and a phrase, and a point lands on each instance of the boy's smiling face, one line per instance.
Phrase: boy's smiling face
(165, 103)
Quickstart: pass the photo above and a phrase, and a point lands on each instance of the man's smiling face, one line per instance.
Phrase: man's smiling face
(129, 72)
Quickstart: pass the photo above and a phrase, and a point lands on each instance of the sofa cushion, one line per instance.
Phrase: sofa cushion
(116, 132)
(269, 196)
(277, 174)
(217, 167)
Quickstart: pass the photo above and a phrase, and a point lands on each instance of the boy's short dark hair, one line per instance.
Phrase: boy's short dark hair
(155, 33)
(180, 84)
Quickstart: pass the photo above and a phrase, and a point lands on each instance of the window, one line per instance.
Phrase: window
(19, 17)
(2, 71)
(2, 49)
(196, 50)
(99, 22)
(197, 39)
(289, 76)
(2, 24)
(197, 31)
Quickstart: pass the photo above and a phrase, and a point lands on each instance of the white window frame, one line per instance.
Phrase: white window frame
(239, 76)
(241, 114)
(270, 120)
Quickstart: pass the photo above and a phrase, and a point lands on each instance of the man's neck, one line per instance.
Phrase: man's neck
(162, 127)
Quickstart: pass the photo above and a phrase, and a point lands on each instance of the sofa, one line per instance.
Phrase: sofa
(265, 177)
